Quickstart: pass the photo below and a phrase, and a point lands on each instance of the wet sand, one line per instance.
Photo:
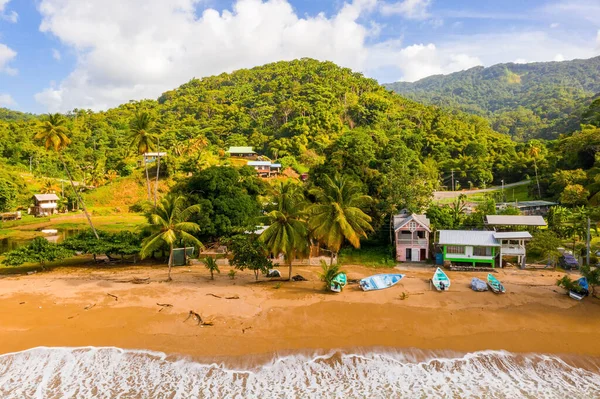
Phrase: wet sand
(71, 307)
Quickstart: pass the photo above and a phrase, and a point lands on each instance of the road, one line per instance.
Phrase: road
(438, 195)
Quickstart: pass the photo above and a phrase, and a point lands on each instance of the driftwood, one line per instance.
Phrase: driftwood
(136, 280)
(227, 297)
(244, 329)
(163, 306)
(198, 318)
(88, 307)
(298, 277)
(114, 296)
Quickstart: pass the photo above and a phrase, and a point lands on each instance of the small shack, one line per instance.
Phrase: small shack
(512, 243)
(470, 247)
(528, 208)
(44, 205)
(150, 157)
(499, 222)
(241, 152)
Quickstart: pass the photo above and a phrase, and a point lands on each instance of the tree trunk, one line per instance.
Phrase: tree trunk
(290, 266)
(170, 262)
(157, 173)
(147, 179)
(537, 180)
(87, 215)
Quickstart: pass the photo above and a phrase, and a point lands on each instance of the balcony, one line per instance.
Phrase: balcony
(414, 241)
(513, 250)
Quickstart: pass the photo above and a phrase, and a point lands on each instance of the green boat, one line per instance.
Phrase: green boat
(338, 282)
(495, 284)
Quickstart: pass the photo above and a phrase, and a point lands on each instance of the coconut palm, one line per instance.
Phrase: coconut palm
(336, 216)
(534, 152)
(143, 138)
(211, 266)
(287, 233)
(54, 134)
(168, 225)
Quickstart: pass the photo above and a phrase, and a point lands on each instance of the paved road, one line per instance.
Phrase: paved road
(437, 195)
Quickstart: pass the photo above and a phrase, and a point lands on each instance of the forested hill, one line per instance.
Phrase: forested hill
(10, 115)
(310, 115)
(537, 100)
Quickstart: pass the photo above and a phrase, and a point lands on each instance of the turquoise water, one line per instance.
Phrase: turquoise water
(116, 373)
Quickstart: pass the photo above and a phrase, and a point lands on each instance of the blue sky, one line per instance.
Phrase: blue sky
(57, 55)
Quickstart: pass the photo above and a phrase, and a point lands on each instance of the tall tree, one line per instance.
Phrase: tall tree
(169, 224)
(143, 138)
(534, 152)
(53, 132)
(287, 233)
(337, 215)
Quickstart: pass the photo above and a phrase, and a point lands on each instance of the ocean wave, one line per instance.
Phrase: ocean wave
(92, 372)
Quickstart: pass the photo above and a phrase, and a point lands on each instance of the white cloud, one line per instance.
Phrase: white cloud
(411, 9)
(7, 55)
(598, 40)
(554, 25)
(140, 48)
(12, 16)
(6, 100)
(577, 10)
(56, 54)
(559, 57)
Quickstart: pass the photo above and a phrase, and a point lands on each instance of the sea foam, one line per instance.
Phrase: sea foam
(91, 372)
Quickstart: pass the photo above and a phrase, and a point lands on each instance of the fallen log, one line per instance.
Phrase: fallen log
(163, 306)
(114, 296)
(198, 318)
(88, 307)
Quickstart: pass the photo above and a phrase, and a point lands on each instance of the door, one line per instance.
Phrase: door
(423, 254)
(415, 255)
(408, 254)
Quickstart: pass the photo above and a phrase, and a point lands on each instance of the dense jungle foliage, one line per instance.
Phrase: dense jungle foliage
(537, 100)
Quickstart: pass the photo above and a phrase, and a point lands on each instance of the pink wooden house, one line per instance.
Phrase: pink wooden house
(412, 237)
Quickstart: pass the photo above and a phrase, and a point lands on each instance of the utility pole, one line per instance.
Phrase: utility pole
(452, 179)
(503, 199)
(30, 159)
(587, 260)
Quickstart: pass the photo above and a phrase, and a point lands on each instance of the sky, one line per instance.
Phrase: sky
(58, 55)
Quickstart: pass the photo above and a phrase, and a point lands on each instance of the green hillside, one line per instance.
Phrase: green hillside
(537, 100)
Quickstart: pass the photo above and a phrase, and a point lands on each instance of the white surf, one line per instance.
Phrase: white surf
(91, 372)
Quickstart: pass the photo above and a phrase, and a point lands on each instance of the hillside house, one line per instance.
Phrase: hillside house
(470, 247)
(150, 157)
(241, 152)
(411, 233)
(44, 205)
(265, 168)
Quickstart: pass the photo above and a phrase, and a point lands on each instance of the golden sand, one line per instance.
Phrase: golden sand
(71, 307)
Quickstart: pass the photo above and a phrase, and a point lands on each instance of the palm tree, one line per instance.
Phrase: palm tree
(287, 233)
(168, 224)
(211, 265)
(54, 134)
(337, 215)
(534, 151)
(143, 138)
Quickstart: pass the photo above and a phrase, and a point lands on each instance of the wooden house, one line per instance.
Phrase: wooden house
(44, 205)
(411, 233)
(241, 152)
(469, 247)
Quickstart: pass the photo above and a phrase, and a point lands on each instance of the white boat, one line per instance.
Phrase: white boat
(50, 231)
(440, 280)
(380, 281)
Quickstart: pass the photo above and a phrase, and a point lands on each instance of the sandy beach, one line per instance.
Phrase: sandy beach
(71, 307)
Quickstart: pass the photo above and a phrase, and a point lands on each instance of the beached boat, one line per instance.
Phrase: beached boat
(495, 284)
(338, 282)
(583, 289)
(380, 281)
(440, 280)
(50, 231)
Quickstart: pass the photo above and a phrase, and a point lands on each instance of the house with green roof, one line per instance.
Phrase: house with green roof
(241, 152)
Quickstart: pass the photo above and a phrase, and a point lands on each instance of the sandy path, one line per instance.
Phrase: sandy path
(49, 309)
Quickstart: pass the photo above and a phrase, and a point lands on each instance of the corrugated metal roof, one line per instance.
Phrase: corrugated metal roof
(403, 219)
(515, 220)
(259, 163)
(513, 235)
(241, 150)
(468, 237)
(46, 197)
(155, 154)
(276, 165)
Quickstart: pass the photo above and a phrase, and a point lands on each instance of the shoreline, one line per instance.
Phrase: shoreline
(49, 309)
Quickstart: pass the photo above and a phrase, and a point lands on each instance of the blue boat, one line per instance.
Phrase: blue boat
(380, 281)
(583, 290)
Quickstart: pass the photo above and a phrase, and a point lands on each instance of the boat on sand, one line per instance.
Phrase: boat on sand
(495, 284)
(440, 280)
(380, 281)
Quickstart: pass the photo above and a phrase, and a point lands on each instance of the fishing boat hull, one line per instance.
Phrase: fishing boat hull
(338, 282)
(576, 296)
(440, 280)
(584, 287)
(380, 281)
(495, 285)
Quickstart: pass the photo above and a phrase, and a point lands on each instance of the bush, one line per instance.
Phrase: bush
(329, 272)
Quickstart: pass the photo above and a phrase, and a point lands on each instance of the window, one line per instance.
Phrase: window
(453, 249)
(482, 251)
